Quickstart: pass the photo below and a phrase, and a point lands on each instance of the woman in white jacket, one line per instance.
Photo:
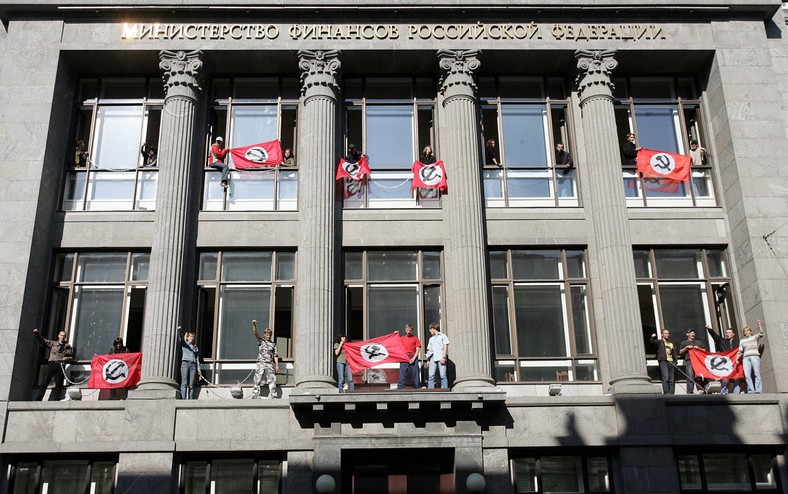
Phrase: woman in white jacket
(748, 351)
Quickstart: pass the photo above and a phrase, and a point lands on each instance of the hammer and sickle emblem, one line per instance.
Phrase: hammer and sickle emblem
(662, 161)
(720, 364)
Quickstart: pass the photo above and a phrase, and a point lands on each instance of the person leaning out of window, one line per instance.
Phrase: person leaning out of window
(490, 155)
(750, 354)
(427, 156)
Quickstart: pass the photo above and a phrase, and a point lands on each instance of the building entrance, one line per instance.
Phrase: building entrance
(398, 471)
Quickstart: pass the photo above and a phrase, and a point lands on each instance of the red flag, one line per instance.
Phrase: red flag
(118, 370)
(716, 366)
(257, 155)
(660, 185)
(353, 171)
(380, 350)
(431, 176)
(661, 164)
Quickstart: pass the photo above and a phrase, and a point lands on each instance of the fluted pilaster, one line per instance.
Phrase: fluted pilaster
(616, 278)
(173, 241)
(317, 244)
(463, 216)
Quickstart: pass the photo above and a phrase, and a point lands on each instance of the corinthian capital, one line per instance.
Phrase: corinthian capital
(319, 73)
(182, 72)
(595, 68)
(458, 72)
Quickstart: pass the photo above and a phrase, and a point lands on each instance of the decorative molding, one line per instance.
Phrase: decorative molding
(458, 72)
(319, 73)
(595, 69)
(182, 72)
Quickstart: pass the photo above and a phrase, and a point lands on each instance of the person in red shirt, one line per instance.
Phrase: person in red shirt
(412, 347)
(216, 160)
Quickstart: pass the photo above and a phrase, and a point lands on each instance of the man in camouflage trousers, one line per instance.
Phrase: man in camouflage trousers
(267, 363)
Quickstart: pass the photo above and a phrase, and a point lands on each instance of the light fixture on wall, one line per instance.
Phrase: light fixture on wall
(475, 482)
(325, 484)
(554, 390)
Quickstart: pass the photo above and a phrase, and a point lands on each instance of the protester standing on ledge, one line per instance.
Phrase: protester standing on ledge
(60, 353)
(749, 353)
(216, 160)
(412, 347)
(267, 363)
(437, 355)
(343, 369)
(190, 364)
(690, 344)
(725, 345)
(667, 358)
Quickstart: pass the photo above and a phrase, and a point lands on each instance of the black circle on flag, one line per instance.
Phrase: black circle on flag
(431, 175)
(352, 169)
(662, 163)
(719, 365)
(256, 154)
(115, 371)
(374, 353)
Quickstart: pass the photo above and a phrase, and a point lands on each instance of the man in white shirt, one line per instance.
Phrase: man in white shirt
(437, 353)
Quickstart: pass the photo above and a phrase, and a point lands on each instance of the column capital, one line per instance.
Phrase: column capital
(182, 72)
(458, 72)
(595, 68)
(319, 73)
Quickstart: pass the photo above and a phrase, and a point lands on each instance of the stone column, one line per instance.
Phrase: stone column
(463, 215)
(174, 239)
(607, 204)
(317, 253)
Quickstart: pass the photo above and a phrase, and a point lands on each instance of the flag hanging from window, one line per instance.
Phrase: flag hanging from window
(369, 353)
(257, 155)
(432, 176)
(118, 370)
(651, 184)
(661, 164)
(353, 171)
(716, 366)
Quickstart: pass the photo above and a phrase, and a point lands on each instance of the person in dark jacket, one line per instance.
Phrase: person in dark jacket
(629, 150)
(60, 353)
(730, 342)
(667, 356)
(427, 156)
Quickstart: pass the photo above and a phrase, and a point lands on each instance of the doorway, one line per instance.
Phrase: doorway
(398, 471)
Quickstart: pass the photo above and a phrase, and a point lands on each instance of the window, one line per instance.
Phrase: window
(96, 297)
(390, 120)
(254, 475)
(541, 316)
(235, 288)
(681, 289)
(728, 472)
(665, 115)
(384, 290)
(62, 477)
(116, 118)
(562, 474)
(250, 110)
(524, 118)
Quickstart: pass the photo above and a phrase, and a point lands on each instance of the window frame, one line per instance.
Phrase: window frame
(213, 366)
(574, 359)
(213, 197)
(584, 457)
(418, 198)
(82, 182)
(492, 108)
(40, 465)
(748, 453)
(209, 460)
(626, 107)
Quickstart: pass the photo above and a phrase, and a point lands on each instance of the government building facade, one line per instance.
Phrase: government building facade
(548, 274)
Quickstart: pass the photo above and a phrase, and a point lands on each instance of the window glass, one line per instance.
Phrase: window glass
(524, 136)
(726, 472)
(540, 321)
(232, 475)
(521, 87)
(716, 260)
(208, 263)
(687, 305)
(675, 263)
(285, 265)
(268, 475)
(432, 305)
(503, 341)
(390, 136)
(101, 267)
(392, 266)
(97, 312)
(580, 319)
(239, 306)
(562, 474)
(658, 128)
(498, 265)
(246, 266)
(536, 264)
(525, 473)
(117, 137)
(431, 262)
(574, 264)
(642, 264)
(194, 477)
(25, 478)
(253, 124)
(652, 88)
(139, 267)
(598, 474)
(389, 306)
(123, 88)
(354, 267)
(102, 477)
(63, 267)
(64, 477)
(763, 468)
